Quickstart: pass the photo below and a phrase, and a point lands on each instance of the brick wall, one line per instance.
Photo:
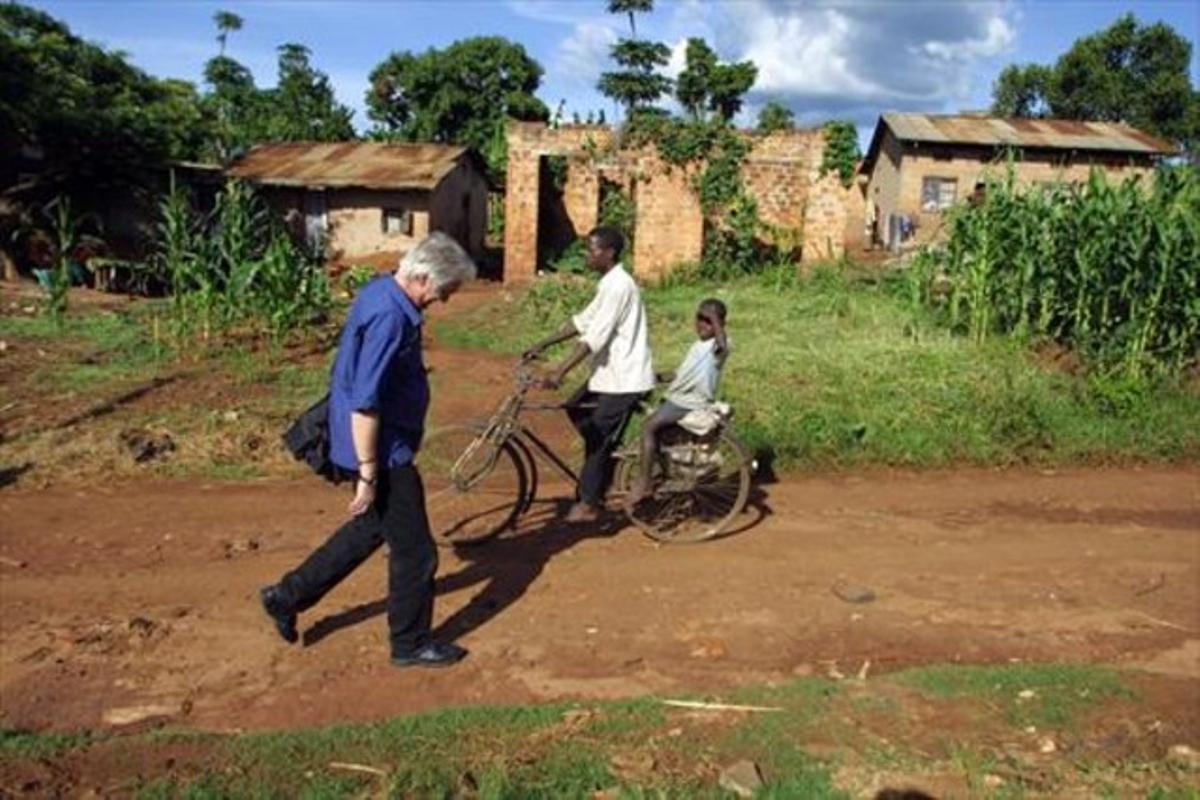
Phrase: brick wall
(581, 194)
(883, 188)
(967, 169)
(781, 172)
(899, 173)
(356, 221)
(528, 142)
(669, 230)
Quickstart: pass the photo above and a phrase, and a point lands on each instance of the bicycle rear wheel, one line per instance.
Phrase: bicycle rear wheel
(700, 488)
(470, 497)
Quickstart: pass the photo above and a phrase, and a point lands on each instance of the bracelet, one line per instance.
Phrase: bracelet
(367, 481)
(362, 461)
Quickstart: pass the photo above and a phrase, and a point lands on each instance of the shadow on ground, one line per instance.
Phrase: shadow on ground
(505, 568)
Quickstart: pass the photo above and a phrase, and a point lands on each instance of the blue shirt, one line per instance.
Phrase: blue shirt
(379, 368)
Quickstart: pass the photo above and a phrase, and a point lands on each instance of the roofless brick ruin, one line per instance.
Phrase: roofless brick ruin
(782, 173)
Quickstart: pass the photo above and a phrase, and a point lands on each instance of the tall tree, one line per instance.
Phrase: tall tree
(1127, 72)
(706, 86)
(235, 105)
(637, 85)
(461, 94)
(302, 106)
(775, 116)
(227, 22)
(631, 7)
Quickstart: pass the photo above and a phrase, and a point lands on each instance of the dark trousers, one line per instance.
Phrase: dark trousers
(600, 420)
(397, 517)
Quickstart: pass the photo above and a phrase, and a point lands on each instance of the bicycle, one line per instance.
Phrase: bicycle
(481, 477)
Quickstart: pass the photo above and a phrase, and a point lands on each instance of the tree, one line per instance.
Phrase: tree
(227, 22)
(80, 122)
(236, 107)
(775, 116)
(707, 86)
(1021, 91)
(1127, 72)
(631, 7)
(88, 115)
(302, 106)
(638, 84)
(461, 94)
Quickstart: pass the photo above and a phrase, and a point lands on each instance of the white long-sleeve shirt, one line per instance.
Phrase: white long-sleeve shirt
(613, 326)
(695, 384)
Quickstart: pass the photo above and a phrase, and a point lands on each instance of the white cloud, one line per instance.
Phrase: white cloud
(824, 58)
(566, 12)
(855, 59)
(583, 55)
(997, 39)
(678, 60)
(805, 52)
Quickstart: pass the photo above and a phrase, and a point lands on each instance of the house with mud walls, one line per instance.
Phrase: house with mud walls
(919, 165)
(559, 177)
(364, 199)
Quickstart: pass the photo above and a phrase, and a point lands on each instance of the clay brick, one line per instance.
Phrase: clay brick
(781, 172)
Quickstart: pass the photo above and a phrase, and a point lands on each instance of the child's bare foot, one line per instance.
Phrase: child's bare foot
(582, 512)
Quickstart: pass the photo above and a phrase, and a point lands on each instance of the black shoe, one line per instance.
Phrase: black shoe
(434, 654)
(279, 612)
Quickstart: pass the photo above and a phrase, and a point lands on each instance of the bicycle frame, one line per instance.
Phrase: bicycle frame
(505, 426)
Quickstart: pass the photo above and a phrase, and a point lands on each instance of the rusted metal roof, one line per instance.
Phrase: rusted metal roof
(368, 165)
(983, 131)
(1051, 133)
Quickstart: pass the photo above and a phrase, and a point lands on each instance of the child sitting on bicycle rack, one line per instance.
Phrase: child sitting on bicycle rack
(692, 388)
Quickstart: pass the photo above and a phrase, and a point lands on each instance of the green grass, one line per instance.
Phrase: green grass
(576, 749)
(24, 744)
(832, 372)
(114, 348)
(1060, 692)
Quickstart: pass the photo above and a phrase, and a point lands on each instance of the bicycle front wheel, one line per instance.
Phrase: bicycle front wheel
(700, 488)
(474, 491)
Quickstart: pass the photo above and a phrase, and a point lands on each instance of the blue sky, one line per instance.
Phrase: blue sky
(823, 58)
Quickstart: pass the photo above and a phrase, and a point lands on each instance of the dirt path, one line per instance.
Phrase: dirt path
(140, 601)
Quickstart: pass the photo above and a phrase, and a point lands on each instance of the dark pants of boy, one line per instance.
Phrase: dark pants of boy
(600, 420)
(397, 517)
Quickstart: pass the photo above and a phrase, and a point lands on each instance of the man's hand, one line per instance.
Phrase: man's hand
(364, 496)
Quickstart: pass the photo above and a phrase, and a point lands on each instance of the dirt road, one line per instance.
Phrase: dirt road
(131, 603)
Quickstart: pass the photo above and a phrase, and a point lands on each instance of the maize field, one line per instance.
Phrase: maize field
(1111, 270)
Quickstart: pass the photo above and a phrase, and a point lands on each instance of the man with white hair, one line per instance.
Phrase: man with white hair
(378, 397)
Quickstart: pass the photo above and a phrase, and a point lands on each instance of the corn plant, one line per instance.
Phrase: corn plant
(236, 266)
(1110, 269)
(179, 258)
(290, 289)
(64, 226)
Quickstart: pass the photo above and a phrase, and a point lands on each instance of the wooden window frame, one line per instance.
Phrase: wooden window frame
(939, 203)
(404, 217)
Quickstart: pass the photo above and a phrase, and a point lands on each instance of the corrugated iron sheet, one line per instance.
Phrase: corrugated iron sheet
(368, 165)
(1047, 133)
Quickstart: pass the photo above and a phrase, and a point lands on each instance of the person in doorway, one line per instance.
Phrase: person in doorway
(612, 331)
(378, 397)
(692, 388)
